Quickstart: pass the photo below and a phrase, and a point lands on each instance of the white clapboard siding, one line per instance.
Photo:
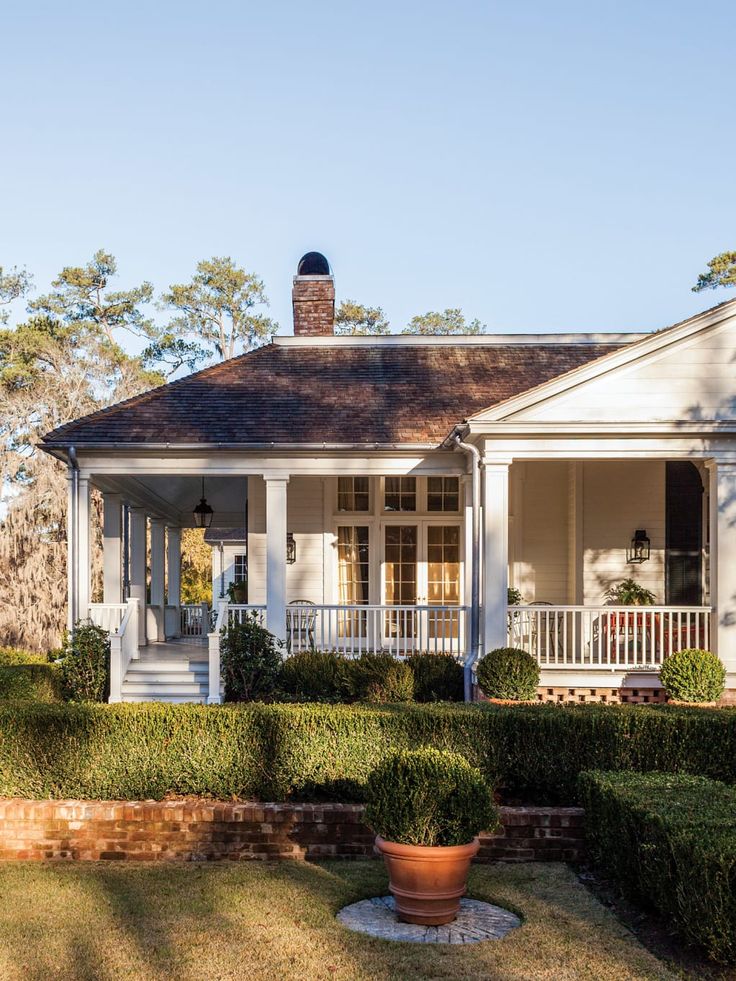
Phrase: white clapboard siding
(691, 380)
(541, 565)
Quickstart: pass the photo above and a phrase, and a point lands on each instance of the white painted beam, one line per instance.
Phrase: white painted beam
(138, 567)
(276, 503)
(495, 553)
(112, 556)
(723, 559)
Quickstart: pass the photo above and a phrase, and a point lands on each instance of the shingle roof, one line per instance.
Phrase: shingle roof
(332, 394)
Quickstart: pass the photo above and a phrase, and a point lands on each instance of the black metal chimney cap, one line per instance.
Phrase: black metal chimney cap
(313, 264)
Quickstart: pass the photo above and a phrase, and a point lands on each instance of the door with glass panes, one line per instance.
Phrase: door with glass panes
(422, 567)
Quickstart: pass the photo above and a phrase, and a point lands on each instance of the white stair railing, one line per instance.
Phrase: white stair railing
(612, 637)
(123, 648)
(108, 616)
(213, 639)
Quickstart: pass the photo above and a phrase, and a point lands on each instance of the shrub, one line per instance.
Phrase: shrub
(508, 672)
(669, 840)
(380, 678)
(437, 678)
(14, 655)
(531, 753)
(629, 592)
(30, 682)
(85, 664)
(250, 661)
(315, 676)
(429, 797)
(693, 676)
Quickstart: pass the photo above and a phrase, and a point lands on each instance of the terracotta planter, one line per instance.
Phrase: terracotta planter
(427, 882)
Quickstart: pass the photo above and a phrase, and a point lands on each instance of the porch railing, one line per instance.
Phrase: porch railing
(123, 648)
(607, 636)
(358, 629)
(194, 620)
(108, 616)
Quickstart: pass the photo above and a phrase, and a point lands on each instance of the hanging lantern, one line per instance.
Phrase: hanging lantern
(640, 547)
(290, 548)
(203, 513)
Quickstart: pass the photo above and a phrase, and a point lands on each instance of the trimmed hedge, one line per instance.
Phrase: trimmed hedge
(669, 840)
(32, 682)
(272, 752)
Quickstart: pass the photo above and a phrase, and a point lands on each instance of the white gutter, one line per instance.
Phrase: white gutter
(474, 458)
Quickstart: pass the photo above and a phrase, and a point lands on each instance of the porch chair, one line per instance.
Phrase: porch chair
(300, 625)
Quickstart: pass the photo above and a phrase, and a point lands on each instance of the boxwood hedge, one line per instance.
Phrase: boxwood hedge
(30, 681)
(669, 840)
(272, 752)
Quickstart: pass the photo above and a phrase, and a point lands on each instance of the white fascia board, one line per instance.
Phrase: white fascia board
(650, 344)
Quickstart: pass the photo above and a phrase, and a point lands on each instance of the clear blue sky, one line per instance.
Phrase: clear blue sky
(545, 166)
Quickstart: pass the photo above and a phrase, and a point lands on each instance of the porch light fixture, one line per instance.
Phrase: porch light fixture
(640, 547)
(203, 513)
(290, 548)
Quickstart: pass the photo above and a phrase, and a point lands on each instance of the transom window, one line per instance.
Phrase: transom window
(353, 494)
(240, 568)
(443, 494)
(400, 494)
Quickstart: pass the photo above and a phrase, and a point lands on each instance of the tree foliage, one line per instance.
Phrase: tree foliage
(217, 313)
(54, 367)
(14, 283)
(450, 321)
(196, 567)
(355, 318)
(721, 272)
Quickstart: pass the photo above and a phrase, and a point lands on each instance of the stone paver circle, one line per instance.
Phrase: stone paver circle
(475, 923)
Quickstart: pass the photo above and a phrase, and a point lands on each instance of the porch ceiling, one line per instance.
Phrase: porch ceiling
(174, 497)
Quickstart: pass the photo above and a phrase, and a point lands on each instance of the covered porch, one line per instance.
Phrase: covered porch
(376, 554)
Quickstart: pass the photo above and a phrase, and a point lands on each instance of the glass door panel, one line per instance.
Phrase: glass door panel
(443, 578)
(401, 553)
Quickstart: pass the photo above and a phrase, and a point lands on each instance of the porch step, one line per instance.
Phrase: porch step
(169, 699)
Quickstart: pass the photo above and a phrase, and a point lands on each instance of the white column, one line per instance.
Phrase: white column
(466, 486)
(723, 562)
(84, 554)
(276, 554)
(495, 555)
(138, 567)
(174, 567)
(158, 574)
(112, 556)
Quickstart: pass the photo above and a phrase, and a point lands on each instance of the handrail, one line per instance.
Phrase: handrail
(123, 648)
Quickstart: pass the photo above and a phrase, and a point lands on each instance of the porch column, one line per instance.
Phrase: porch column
(496, 555)
(158, 574)
(723, 561)
(84, 555)
(112, 555)
(138, 567)
(276, 554)
(173, 559)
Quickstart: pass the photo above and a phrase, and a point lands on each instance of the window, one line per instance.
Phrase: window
(353, 579)
(240, 568)
(353, 494)
(443, 494)
(400, 494)
(353, 564)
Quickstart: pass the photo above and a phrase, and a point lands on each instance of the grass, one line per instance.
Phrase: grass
(277, 921)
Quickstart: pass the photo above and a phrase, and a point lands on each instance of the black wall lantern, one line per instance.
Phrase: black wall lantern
(290, 548)
(640, 548)
(203, 513)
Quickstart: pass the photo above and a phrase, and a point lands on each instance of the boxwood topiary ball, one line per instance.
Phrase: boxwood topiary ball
(508, 672)
(693, 675)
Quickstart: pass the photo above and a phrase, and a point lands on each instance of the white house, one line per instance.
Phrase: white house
(396, 486)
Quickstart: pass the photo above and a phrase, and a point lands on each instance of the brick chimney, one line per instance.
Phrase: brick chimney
(313, 297)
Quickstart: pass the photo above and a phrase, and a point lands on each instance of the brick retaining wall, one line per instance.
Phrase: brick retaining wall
(197, 830)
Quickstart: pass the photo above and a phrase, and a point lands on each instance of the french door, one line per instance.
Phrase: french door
(422, 566)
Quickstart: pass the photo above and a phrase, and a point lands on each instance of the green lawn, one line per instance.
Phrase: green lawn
(277, 921)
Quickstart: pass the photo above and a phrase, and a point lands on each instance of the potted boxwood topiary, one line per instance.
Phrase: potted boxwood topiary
(427, 807)
(693, 676)
(508, 674)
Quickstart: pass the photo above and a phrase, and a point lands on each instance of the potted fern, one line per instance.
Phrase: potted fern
(427, 807)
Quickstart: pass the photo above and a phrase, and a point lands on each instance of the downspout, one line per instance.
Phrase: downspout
(474, 458)
(73, 533)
